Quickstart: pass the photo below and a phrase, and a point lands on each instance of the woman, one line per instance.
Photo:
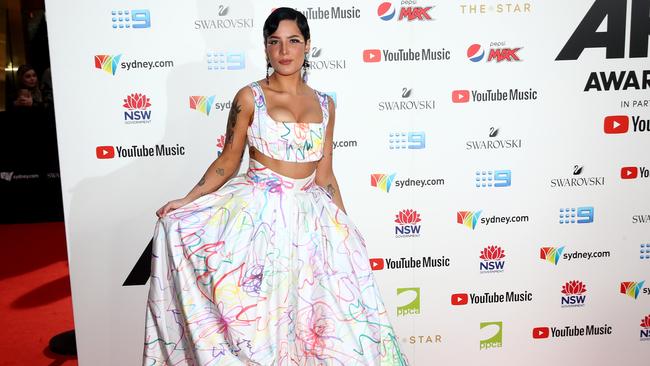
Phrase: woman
(266, 268)
(29, 93)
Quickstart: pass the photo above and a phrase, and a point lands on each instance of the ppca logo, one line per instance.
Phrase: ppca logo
(413, 306)
(494, 333)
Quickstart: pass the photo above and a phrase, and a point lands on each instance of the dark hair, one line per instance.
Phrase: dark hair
(273, 21)
(22, 70)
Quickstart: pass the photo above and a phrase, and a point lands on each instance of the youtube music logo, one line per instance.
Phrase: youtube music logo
(376, 264)
(629, 172)
(459, 299)
(617, 124)
(460, 96)
(372, 55)
(633, 172)
(105, 152)
(541, 332)
(621, 124)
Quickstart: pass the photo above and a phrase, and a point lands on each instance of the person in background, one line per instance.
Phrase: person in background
(46, 87)
(29, 92)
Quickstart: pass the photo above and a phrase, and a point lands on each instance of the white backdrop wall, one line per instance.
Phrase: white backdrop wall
(551, 149)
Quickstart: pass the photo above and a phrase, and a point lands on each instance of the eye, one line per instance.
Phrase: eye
(272, 41)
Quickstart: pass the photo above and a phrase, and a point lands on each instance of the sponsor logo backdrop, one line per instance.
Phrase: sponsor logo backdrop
(494, 154)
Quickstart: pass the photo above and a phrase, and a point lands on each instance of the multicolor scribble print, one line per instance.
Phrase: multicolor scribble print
(287, 141)
(264, 271)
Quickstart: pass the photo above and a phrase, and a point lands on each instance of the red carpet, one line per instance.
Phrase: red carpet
(35, 301)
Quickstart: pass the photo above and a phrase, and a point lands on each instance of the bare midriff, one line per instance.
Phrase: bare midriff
(288, 169)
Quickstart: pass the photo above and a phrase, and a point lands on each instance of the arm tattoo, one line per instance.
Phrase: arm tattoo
(201, 182)
(220, 171)
(232, 119)
(330, 189)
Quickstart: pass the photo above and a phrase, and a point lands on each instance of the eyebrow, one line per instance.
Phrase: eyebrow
(292, 36)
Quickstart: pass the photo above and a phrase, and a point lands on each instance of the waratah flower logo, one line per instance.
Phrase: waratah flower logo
(407, 217)
(136, 101)
(574, 288)
(492, 253)
(645, 323)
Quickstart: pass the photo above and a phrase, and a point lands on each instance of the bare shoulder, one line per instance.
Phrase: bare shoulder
(245, 97)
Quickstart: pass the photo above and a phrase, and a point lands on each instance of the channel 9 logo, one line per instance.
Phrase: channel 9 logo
(131, 19)
(493, 178)
(407, 140)
(218, 60)
(579, 215)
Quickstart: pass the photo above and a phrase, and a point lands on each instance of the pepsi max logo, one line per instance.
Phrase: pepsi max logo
(386, 11)
(475, 53)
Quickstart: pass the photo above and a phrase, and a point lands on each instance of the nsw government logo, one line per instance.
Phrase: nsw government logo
(411, 294)
(221, 143)
(137, 109)
(387, 11)
(645, 328)
(407, 224)
(493, 333)
(492, 259)
(573, 292)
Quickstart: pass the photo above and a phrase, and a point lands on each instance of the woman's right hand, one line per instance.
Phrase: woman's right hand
(171, 206)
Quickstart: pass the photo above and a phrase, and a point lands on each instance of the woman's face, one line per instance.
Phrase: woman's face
(29, 79)
(286, 48)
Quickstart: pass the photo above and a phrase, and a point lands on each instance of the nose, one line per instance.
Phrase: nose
(284, 47)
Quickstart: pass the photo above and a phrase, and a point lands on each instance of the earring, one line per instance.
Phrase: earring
(268, 65)
(305, 65)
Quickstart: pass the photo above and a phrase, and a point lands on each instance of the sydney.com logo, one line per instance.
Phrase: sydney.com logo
(110, 64)
(472, 218)
(386, 181)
